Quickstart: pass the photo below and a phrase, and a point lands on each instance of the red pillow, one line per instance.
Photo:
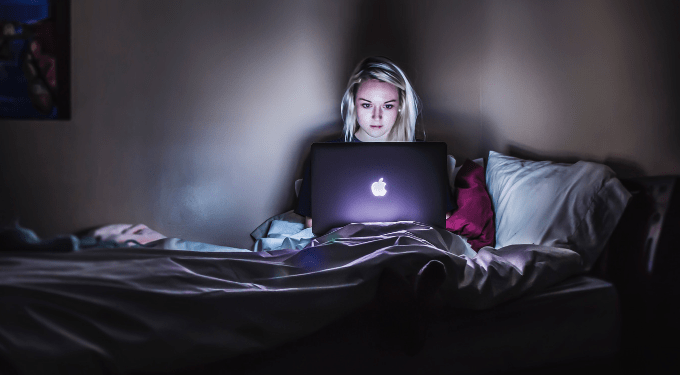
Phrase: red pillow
(474, 216)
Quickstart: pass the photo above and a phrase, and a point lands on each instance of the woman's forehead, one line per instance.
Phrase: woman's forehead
(377, 90)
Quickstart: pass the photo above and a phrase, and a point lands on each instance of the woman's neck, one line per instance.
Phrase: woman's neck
(363, 137)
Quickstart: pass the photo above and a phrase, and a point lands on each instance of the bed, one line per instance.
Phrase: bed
(544, 296)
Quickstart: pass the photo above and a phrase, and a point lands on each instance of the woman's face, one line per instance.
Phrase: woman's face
(377, 106)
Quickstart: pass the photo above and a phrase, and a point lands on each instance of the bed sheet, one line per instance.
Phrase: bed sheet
(144, 310)
(574, 321)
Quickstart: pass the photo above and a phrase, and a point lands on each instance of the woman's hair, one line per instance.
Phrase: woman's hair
(383, 70)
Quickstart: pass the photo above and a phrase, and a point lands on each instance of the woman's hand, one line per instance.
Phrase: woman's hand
(448, 215)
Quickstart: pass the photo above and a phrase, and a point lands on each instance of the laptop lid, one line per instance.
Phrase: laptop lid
(378, 182)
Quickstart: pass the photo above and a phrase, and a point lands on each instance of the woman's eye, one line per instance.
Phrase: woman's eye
(389, 106)
(366, 105)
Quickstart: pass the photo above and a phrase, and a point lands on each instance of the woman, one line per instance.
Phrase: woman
(379, 105)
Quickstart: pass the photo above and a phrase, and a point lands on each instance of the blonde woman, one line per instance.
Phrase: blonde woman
(379, 105)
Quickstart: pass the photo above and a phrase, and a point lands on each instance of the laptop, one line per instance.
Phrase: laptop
(378, 182)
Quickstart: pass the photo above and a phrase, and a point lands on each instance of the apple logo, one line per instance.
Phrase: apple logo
(378, 188)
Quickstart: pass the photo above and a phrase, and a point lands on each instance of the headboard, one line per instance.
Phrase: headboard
(642, 260)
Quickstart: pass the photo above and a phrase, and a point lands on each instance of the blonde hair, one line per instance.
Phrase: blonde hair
(383, 70)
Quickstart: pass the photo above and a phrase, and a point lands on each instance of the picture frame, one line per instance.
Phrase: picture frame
(35, 59)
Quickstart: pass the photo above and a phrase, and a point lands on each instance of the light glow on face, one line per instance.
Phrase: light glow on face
(377, 107)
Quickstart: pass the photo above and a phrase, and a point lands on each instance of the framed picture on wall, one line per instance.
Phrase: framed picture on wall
(35, 52)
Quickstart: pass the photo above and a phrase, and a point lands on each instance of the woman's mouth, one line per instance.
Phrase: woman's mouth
(376, 126)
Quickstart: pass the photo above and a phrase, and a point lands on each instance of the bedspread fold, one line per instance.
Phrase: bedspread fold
(143, 310)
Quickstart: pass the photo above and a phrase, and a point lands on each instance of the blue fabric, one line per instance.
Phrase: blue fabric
(281, 232)
(180, 244)
(17, 238)
(285, 231)
(23, 239)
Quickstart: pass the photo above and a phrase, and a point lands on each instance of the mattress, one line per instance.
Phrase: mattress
(575, 320)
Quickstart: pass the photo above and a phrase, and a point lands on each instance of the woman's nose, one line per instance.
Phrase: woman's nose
(377, 112)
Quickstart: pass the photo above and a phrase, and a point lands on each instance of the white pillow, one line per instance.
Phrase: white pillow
(572, 206)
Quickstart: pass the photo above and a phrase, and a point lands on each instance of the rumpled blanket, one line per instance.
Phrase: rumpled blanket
(18, 238)
(130, 310)
(121, 233)
(284, 231)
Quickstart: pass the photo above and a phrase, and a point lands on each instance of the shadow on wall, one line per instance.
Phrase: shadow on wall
(662, 18)
(466, 136)
(387, 28)
(323, 133)
(383, 29)
(622, 167)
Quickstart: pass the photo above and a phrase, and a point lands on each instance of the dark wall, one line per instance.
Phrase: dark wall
(594, 80)
(192, 117)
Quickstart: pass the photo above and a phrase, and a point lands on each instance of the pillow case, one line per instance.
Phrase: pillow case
(474, 217)
(572, 206)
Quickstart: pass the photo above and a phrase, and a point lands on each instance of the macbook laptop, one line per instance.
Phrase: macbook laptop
(378, 182)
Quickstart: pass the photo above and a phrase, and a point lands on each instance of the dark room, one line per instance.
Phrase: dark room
(155, 159)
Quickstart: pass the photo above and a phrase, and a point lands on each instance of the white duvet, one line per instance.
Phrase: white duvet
(137, 310)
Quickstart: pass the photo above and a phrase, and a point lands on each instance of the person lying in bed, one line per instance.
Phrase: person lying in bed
(379, 105)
